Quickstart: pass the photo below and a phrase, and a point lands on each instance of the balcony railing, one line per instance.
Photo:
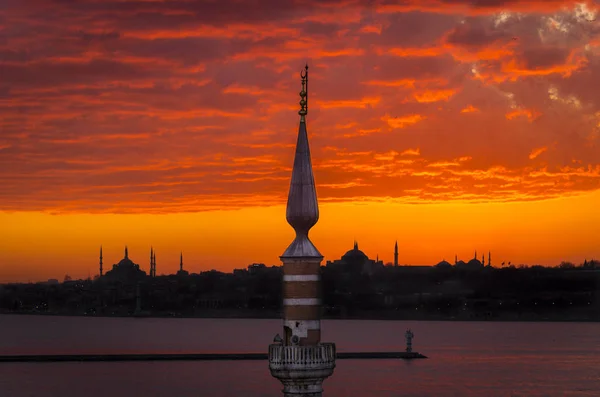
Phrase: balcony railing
(319, 356)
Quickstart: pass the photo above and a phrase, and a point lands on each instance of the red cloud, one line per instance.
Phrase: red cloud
(132, 106)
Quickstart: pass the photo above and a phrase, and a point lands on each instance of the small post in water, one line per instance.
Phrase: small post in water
(409, 336)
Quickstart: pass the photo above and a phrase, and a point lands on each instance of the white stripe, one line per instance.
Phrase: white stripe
(302, 277)
(302, 302)
(306, 324)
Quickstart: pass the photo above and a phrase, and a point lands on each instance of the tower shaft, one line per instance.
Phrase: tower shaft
(302, 300)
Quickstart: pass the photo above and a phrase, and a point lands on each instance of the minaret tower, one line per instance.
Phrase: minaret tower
(126, 253)
(154, 264)
(101, 261)
(181, 262)
(396, 254)
(151, 260)
(300, 361)
(490, 258)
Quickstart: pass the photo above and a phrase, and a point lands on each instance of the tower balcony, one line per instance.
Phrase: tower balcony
(302, 358)
(302, 369)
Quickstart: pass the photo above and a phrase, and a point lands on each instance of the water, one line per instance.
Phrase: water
(466, 358)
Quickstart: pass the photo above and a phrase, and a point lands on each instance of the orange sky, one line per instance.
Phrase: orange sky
(452, 126)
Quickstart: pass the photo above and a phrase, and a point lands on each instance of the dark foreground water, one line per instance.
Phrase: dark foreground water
(466, 358)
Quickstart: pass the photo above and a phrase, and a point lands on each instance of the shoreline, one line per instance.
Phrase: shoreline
(44, 358)
(270, 316)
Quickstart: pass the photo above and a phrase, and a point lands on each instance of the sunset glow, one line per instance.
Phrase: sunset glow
(450, 126)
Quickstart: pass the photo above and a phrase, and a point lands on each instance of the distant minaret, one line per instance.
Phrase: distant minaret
(299, 359)
(455, 259)
(489, 258)
(396, 254)
(151, 260)
(154, 265)
(101, 261)
(475, 257)
(483, 259)
(181, 262)
(126, 254)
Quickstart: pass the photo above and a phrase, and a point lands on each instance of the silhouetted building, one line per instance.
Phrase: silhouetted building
(356, 261)
(396, 254)
(256, 267)
(126, 270)
(444, 264)
(473, 264)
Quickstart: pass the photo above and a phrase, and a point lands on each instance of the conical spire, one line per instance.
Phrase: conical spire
(302, 207)
(181, 261)
(126, 254)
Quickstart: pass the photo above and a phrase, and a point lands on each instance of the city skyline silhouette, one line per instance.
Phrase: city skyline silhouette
(447, 127)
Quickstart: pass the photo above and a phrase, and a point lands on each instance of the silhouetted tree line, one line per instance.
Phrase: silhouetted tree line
(567, 292)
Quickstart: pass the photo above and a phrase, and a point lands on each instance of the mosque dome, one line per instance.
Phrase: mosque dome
(444, 263)
(474, 263)
(354, 255)
(126, 262)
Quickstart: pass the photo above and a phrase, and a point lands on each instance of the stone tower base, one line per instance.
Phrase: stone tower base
(302, 369)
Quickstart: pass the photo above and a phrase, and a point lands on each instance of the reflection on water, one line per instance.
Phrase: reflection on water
(466, 358)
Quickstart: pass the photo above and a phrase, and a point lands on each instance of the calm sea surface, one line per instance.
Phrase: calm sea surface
(465, 358)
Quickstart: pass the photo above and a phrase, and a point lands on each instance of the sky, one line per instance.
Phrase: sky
(448, 125)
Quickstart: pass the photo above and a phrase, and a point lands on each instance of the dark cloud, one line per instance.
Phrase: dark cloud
(478, 6)
(414, 29)
(185, 50)
(476, 34)
(544, 57)
(320, 29)
(90, 37)
(52, 74)
(397, 68)
(508, 4)
(170, 14)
